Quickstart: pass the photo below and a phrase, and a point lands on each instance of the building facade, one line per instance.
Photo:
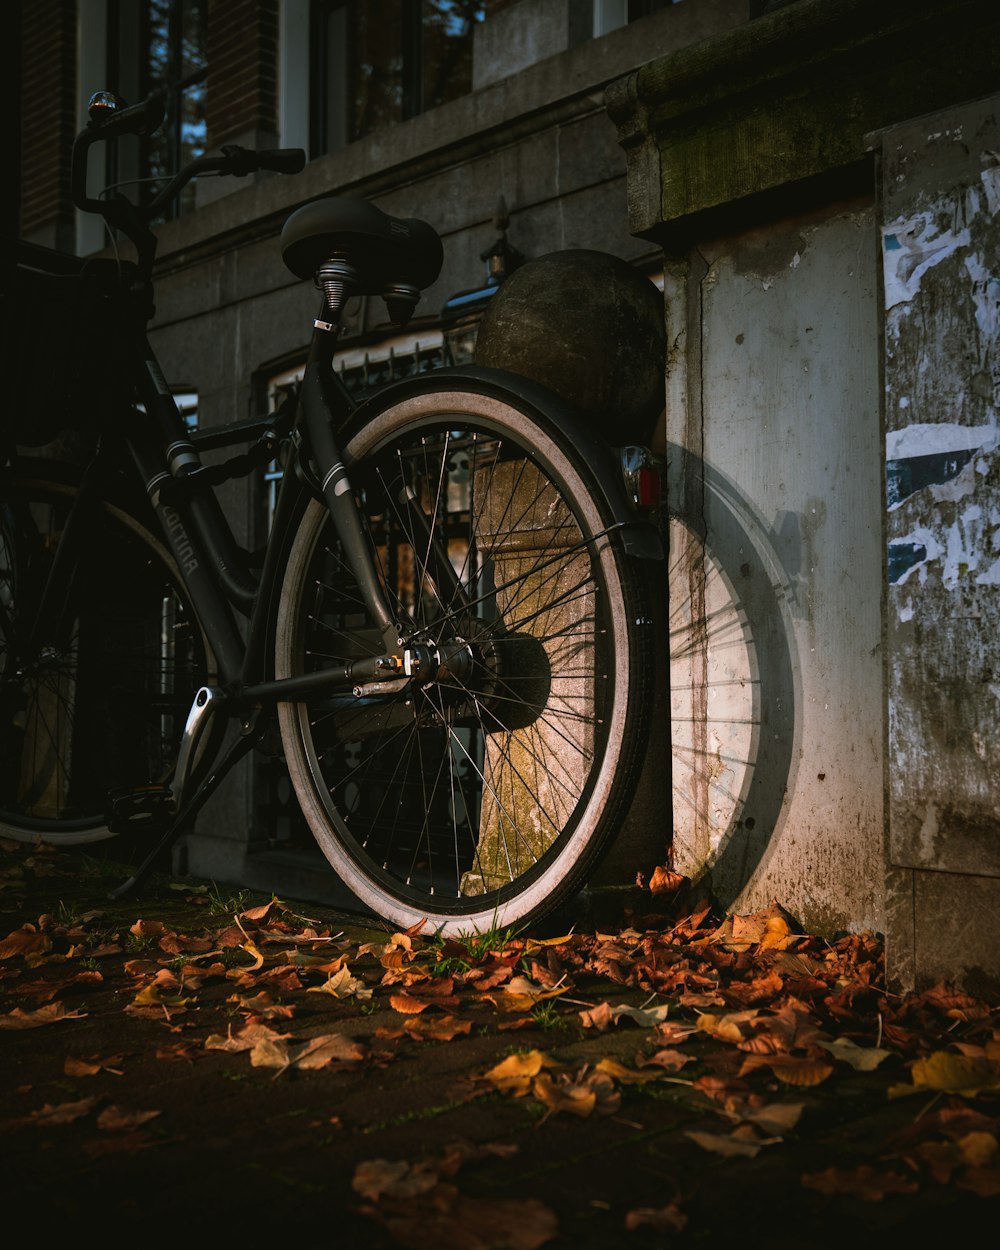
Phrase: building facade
(745, 155)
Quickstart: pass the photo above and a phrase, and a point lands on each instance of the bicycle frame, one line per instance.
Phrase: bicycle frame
(202, 541)
(240, 612)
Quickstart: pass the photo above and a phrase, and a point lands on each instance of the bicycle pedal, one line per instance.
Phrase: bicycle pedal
(146, 806)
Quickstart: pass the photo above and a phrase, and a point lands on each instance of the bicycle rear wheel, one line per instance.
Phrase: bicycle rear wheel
(485, 797)
(103, 705)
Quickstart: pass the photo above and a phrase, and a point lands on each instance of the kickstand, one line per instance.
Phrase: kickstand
(239, 748)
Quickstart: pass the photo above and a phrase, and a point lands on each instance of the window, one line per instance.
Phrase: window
(175, 58)
(385, 61)
(159, 47)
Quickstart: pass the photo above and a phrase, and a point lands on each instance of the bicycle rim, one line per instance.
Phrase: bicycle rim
(102, 705)
(484, 798)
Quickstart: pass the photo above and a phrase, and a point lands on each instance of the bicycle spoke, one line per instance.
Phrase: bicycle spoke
(455, 791)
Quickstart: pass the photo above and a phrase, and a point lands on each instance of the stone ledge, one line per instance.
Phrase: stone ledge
(791, 95)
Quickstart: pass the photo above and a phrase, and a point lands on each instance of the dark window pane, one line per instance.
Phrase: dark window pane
(446, 47)
(383, 61)
(176, 68)
(194, 16)
(376, 65)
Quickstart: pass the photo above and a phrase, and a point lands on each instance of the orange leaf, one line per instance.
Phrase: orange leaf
(514, 1074)
(663, 881)
(625, 1076)
(791, 1070)
(437, 1028)
(407, 1004)
(578, 1100)
(24, 941)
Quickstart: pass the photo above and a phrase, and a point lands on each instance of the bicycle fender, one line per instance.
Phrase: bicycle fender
(640, 533)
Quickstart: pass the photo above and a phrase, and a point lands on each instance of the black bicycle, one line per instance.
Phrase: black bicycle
(447, 621)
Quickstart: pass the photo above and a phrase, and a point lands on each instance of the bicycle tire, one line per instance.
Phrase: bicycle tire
(484, 803)
(105, 709)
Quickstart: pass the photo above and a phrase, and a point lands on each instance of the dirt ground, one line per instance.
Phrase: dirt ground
(192, 1062)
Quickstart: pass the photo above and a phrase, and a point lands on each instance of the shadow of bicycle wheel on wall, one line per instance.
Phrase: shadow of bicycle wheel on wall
(733, 679)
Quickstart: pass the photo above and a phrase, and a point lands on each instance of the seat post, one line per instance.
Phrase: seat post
(337, 279)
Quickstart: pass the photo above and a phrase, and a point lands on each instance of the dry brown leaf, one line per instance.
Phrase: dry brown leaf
(49, 1115)
(264, 1007)
(514, 1074)
(343, 985)
(249, 1036)
(447, 1220)
(668, 1059)
(188, 1050)
(117, 1120)
(408, 1004)
(665, 881)
(959, 1074)
(668, 1219)
(74, 1066)
(42, 991)
(742, 1143)
(599, 1017)
(534, 944)
(624, 1076)
(148, 928)
(860, 1058)
(51, 1013)
(674, 1031)
(25, 941)
(317, 1052)
(575, 1099)
(255, 954)
(521, 994)
(578, 1095)
(790, 1069)
(261, 915)
(437, 1028)
(776, 1118)
(394, 1178)
(152, 996)
(861, 1182)
(733, 1027)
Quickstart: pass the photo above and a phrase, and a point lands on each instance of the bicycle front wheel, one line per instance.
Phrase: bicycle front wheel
(484, 797)
(100, 703)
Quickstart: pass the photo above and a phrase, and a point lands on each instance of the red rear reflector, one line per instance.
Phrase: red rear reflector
(648, 488)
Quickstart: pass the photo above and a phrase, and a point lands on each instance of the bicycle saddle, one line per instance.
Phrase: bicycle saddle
(384, 250)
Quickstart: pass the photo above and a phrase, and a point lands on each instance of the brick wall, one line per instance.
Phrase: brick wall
(48, 119)
(242, 69)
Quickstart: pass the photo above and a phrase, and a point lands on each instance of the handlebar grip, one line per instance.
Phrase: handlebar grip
(242, 161)
(283, 160)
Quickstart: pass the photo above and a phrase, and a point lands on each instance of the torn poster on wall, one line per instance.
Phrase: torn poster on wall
(942, 300)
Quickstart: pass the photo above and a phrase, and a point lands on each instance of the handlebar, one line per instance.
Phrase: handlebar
(110, 118)
(232, 161)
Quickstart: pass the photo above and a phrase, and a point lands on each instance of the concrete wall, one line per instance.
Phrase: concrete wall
(776, 563)
(824, 184)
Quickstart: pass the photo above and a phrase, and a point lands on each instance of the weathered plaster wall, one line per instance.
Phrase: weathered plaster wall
(941, 265)
(776, 570)
(731, 132)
